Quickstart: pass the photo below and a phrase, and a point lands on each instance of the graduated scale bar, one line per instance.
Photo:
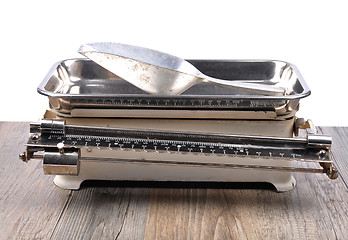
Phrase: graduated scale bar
(313, 148)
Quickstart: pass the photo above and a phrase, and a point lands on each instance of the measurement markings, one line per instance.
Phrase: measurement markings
(183, 147)
(189, 103)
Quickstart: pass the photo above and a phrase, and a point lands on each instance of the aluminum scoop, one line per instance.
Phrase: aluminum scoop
(160, 73)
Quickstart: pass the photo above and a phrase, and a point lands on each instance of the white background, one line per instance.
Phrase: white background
(310, 34)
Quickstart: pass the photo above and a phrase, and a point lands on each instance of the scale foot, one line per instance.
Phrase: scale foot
(68, 182)
(286, 185)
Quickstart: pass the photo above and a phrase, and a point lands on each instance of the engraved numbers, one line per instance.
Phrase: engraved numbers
(178, 146)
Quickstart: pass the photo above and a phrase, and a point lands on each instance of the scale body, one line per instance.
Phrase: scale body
(101, 128)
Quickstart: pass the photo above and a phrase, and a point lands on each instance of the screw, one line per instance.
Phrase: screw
(60, 147)
(333, 173)
(322, 153)
(34, 137)
(23, 157)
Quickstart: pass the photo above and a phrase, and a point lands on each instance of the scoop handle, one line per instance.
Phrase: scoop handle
(255, 88)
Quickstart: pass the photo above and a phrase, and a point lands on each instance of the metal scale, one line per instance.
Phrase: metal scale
(103, 127)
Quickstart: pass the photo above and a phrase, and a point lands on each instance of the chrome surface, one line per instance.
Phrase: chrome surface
(160, 73)
(216, 165)
(81, 83)
(311, 140)
(63, 162)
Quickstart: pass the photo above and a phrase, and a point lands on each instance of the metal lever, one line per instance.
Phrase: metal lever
(56, 160)
(56, 126)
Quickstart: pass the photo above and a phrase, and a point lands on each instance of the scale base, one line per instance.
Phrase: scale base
(90, 170)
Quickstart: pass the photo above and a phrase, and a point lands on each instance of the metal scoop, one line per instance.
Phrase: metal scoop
(160, 73)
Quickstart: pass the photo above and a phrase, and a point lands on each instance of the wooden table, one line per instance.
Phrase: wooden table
(32, 207)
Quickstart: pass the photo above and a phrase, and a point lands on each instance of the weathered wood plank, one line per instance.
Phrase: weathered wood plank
(315, 209)
(30, 204)
(104, 213)
(339, 149)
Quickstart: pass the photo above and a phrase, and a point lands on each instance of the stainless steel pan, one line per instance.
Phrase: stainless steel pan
(82, 84)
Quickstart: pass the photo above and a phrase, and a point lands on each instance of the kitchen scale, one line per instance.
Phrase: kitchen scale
(103, 127)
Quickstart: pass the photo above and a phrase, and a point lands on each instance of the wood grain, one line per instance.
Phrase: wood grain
(339, 149)
(306, 212)
(104, 213)
(31, 207)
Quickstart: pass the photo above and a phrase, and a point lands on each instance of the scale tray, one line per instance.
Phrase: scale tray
(81, 88)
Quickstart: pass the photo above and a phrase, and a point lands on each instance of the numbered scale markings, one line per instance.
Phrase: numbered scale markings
(185, 147)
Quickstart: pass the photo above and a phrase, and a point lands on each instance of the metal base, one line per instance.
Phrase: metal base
(94, 170)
